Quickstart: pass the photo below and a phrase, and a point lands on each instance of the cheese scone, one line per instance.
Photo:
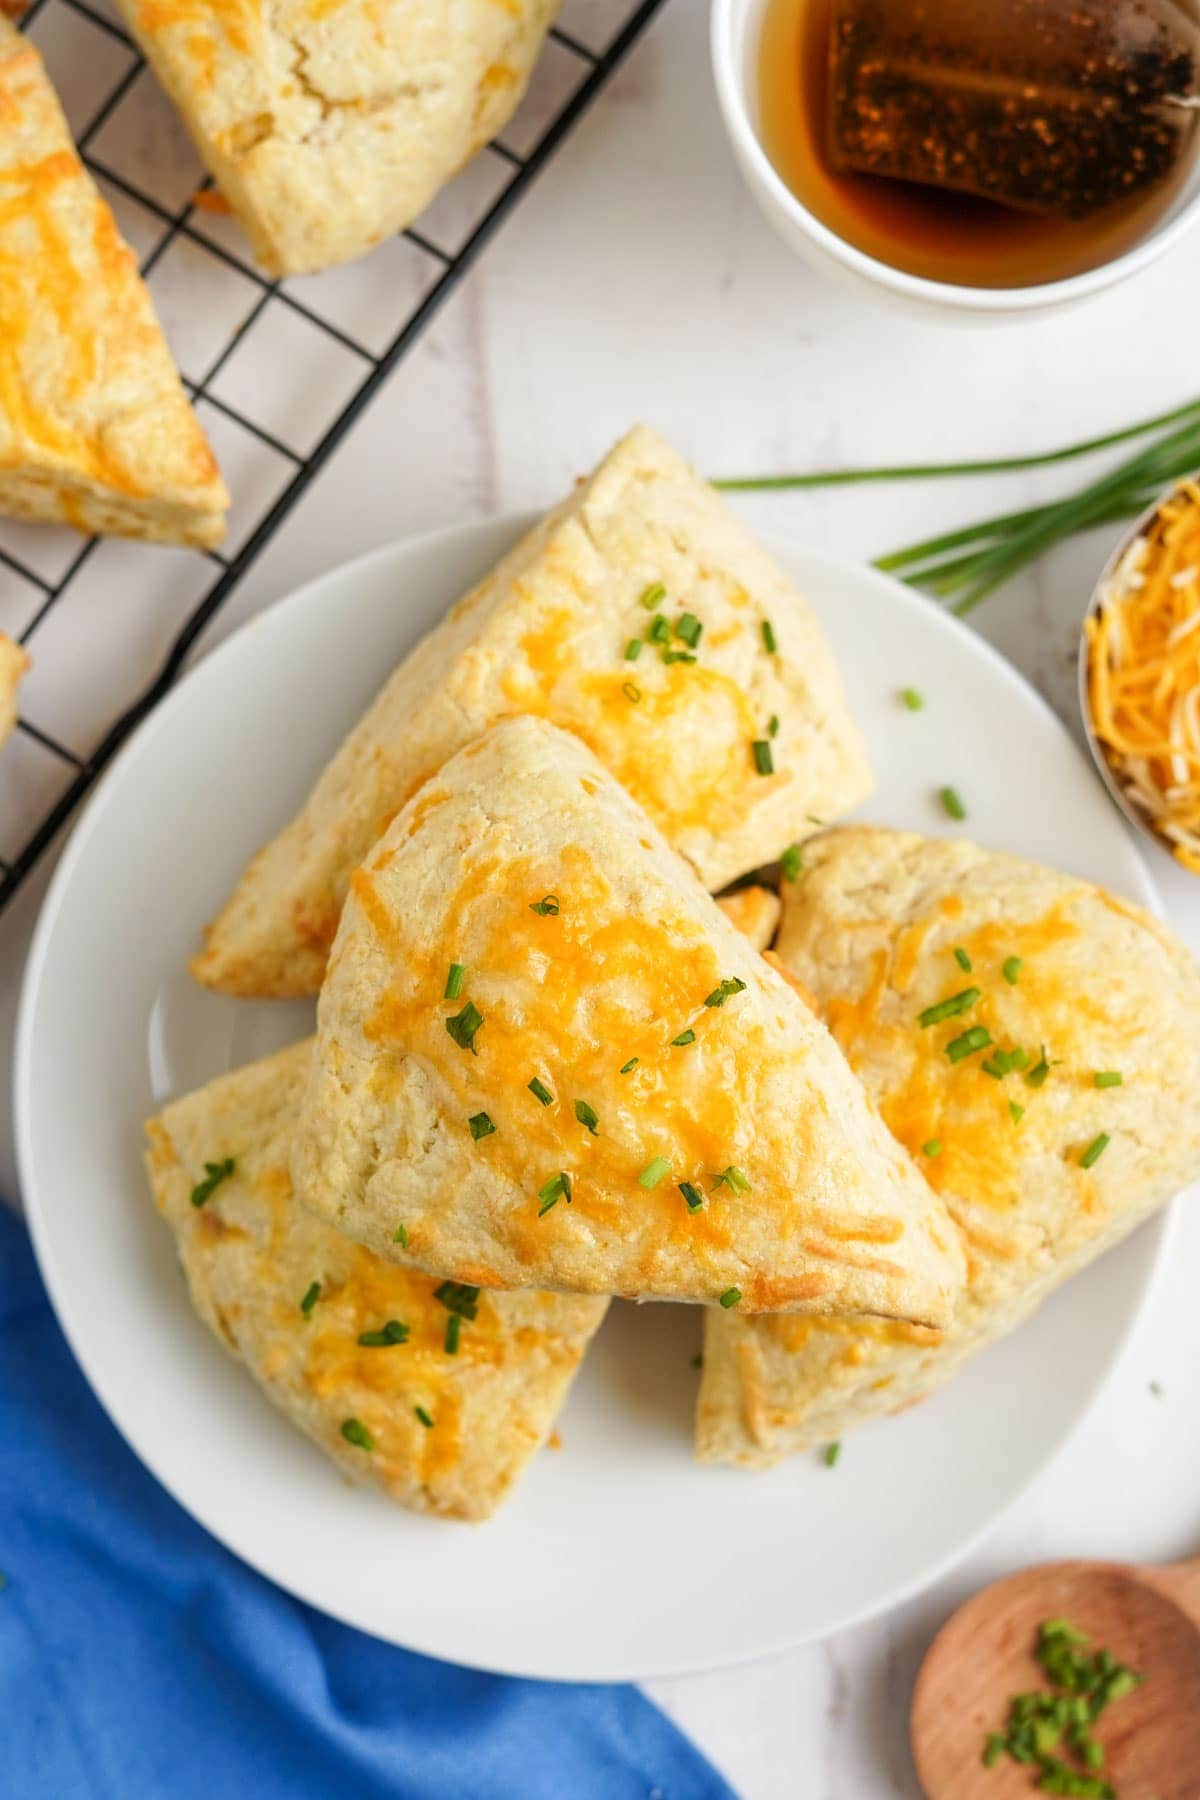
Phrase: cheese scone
(358, 1353)
(95, 429)
(639, 615)
(1069, 1115)
(547, 1059)
(331, 126)
(13, 665)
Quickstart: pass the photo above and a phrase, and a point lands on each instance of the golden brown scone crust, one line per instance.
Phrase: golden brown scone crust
(95, 429)
(835, 1216)
(871, 929)
(331, 126)
(546, 634)
(13, 665)
(250, 1255)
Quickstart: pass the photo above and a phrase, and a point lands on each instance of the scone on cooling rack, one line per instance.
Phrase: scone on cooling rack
(436, 1394)
(329, 128)
(641, 615)
(1034, 1042)
(95, 428)
(13, 664)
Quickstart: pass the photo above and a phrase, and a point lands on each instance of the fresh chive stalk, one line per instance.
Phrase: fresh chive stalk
(963, 567)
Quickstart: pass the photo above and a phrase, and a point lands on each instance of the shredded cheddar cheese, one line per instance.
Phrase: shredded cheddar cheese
(1144, 673)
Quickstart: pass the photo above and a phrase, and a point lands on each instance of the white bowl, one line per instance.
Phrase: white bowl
(736, 30)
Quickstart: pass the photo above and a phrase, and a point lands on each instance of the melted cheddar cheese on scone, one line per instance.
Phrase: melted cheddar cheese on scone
(437, 1395)
(640, 616)
(13, 665)
(95, 429)
(330, 124)
(546, 1058)
(1034, 1043)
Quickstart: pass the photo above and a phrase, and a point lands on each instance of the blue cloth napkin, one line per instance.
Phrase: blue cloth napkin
(139, 1659)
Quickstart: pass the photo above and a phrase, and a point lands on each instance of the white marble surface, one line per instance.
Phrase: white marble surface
(637, 281)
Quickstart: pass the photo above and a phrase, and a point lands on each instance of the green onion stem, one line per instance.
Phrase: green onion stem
(963, 567)
(1001, 465)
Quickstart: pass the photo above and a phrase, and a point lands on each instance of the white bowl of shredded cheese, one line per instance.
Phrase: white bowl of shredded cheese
(1139, 673)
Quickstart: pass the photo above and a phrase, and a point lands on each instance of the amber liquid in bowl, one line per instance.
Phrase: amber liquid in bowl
(924, 231)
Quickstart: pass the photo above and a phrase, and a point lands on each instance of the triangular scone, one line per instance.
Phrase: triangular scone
(329, 127)
(95, 429)
(537, 1025)
(1044, 1159)
(13, 664)
(552, 631)
(291, 1299)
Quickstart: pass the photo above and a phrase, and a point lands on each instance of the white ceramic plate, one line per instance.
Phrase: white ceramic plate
(618, 1556)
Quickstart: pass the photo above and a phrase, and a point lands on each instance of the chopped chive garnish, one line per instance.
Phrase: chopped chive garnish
(660, 630)
(540, 1091)
(393, 1332)
(773, 725)
(1095, 1150)
(948, 1009)
(728, 988)
(653, 594)
(356, 1433)
(951, 802)
(424, 1417)
(683, 1040)
(626, 1067)
(633, 649)
(631, 691)
(932, 1147)
(732, 1177)
(1011, 969)
(996, 1066)
(453, 1332)
(966, 1045)
(463, 1026)
(832, 1452)
(214, 1174)
(791, 862)
(312, 1294)
(547, 906)
(458, 1297)
(693, 1196)
(1038, 1721)
(1016, 1113)
(677, 656)
(652, 1174)
(587, 1116)
(730, 1297)
(454, 981)
(1108, 1078)
(556, 1189)
(764, 762)
(1039, 1072)
(912, 698)
(1018, 1058)
(770, 641)
(962, 959)
(400, 1236)
(482, 1125)
(688, 627)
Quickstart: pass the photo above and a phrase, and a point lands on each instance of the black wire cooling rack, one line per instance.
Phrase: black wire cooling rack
(131, 143)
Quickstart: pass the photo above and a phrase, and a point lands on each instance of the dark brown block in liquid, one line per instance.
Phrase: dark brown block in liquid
(1060, 107)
